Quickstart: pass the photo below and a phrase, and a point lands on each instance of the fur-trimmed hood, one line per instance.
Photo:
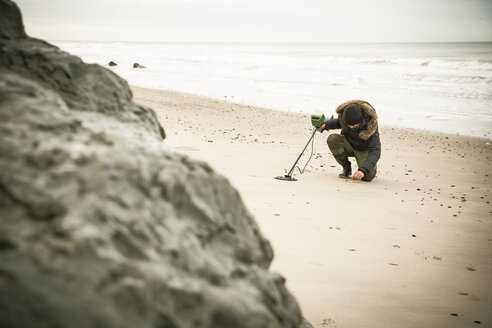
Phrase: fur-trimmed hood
(372, 123)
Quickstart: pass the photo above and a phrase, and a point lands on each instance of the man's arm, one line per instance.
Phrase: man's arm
(374, 153)
(330, 124)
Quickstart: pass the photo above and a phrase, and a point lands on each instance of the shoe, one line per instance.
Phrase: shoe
(346, 173)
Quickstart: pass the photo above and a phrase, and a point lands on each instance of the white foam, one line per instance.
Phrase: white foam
(409, 81)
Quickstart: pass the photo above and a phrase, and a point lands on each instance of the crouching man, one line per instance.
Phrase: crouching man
(359, 138)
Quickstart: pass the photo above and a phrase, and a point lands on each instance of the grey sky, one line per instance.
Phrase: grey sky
(260, 20)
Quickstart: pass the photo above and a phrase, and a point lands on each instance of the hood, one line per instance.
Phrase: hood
(372, 123)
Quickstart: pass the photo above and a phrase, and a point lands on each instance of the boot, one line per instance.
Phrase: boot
(343, 160)
(346, 173)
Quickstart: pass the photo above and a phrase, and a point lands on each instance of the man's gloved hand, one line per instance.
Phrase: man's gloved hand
(322, 128)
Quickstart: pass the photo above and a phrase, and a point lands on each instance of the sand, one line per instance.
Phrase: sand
(413, 248)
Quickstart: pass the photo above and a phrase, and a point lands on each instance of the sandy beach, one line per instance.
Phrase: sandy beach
(413, 248)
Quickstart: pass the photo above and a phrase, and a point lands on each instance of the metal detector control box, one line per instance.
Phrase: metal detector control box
(317, 120)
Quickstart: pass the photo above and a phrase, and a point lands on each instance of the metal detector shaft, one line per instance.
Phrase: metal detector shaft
(302, 152)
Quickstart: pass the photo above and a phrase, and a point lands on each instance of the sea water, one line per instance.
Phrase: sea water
(443, 87)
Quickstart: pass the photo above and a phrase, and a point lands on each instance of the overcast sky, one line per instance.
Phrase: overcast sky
(259, 20)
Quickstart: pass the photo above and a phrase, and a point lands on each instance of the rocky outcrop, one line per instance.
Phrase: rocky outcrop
(112, 63)
(101, 225)
(11, 25)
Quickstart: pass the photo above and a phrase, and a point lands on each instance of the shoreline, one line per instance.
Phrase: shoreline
(230, 100)
(417, 86)
(408, 249)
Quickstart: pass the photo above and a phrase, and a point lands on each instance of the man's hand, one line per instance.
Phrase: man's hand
(322, 128)
(358, 175)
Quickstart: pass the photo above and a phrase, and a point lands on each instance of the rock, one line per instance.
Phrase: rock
(11, 26)
(305, 324)
(112, 63)
(137, 65)
(102, 225)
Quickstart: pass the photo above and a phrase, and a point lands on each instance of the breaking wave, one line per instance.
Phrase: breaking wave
(294, 76)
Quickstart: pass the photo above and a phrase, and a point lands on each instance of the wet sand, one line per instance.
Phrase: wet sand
(412, 248)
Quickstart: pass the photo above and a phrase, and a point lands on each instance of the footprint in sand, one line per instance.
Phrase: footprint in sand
(330, 323)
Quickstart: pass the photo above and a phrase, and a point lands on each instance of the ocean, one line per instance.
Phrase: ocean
(445, 87)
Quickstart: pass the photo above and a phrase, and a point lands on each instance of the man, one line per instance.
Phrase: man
(359, 138)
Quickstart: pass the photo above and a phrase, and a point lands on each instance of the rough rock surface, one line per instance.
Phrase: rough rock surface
(101, 225)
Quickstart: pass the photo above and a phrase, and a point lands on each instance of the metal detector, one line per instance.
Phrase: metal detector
(317, 121)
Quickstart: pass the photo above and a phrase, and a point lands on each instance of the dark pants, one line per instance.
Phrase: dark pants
(342, 149)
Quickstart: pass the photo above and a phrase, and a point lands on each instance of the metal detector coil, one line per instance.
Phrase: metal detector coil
(285, 178)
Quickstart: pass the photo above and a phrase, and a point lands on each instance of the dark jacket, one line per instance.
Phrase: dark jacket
(365, 137)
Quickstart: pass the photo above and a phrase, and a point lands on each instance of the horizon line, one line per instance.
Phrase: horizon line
(275, 42)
